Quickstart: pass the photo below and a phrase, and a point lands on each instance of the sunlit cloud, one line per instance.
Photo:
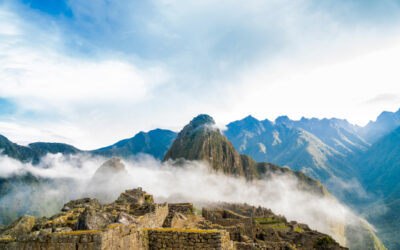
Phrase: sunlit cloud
(123, 67)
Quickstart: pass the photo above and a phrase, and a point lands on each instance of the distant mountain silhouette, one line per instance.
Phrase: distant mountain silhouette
(290, 143)
(155, 142)
(384, 124)
(34, 151)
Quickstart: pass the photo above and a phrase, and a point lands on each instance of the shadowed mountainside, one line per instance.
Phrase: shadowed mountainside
(380, 170)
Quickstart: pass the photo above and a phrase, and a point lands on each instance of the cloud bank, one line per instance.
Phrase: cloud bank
(68, 178)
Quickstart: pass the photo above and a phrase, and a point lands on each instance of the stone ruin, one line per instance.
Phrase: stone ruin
(134, 221)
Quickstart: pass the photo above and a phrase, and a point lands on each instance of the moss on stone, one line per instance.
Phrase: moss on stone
(298, 229)
(268, 220)
(80, 232)
(114, 226)
(183, 230)
(323, 242)
(6, 238)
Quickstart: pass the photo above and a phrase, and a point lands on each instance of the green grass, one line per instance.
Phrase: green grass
(298, 229)
(323, 241)
(279, 226)
(269, 220)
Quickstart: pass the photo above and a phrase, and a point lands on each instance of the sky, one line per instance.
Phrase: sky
(92, 72)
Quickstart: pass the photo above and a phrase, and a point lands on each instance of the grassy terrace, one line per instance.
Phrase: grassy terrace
(80, 232)
(183, 230)
(268, 220)
(298, 229)
(6, 238)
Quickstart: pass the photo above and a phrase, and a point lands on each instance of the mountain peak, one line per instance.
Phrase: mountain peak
(113, 165)
(250, 118)
(197, 142)
(202, 120)
(209, 145)
(282, 119)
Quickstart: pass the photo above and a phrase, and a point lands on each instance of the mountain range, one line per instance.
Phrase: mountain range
(329, 150)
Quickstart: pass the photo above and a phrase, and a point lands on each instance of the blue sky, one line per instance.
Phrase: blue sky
(92, 72)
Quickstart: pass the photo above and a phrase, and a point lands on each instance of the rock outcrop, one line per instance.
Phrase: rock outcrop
(134, 221)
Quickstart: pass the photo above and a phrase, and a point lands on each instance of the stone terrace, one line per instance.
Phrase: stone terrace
(120, 236)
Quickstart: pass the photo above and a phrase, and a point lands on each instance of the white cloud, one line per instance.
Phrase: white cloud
(26, 133)
(191, 182)
(267, 58)
(339, 88)
(42, 81)
(67, 98)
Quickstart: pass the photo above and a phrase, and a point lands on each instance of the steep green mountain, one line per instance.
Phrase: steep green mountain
(285, 144)
(201, 140)
(155, 142)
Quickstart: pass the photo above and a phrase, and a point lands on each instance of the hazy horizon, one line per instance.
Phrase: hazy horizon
(17, 139)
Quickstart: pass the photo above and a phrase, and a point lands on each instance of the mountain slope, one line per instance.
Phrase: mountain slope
(284, 144)
(201, 140)
(380, 168)
(28, 194)
(155, 142)
(339, 134)
(385, 123)
(380, 165)
(34, 151)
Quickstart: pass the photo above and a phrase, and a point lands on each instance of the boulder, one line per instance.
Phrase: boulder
(92, 219)
(21, 226)
(62, 229)
(126, 219)
(45, 231)
(81, 203)
(178, 220)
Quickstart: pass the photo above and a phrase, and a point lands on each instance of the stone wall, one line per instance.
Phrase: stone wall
(236, 224)
(154, 219)
(120, 236)
(65, 241)
(124, 237)
(115, 237)
(184, 208)
(166, 238)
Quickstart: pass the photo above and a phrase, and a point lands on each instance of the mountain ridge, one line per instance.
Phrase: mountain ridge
(201, 140)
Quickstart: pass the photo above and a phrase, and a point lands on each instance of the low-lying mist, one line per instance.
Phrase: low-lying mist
(62, 178)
